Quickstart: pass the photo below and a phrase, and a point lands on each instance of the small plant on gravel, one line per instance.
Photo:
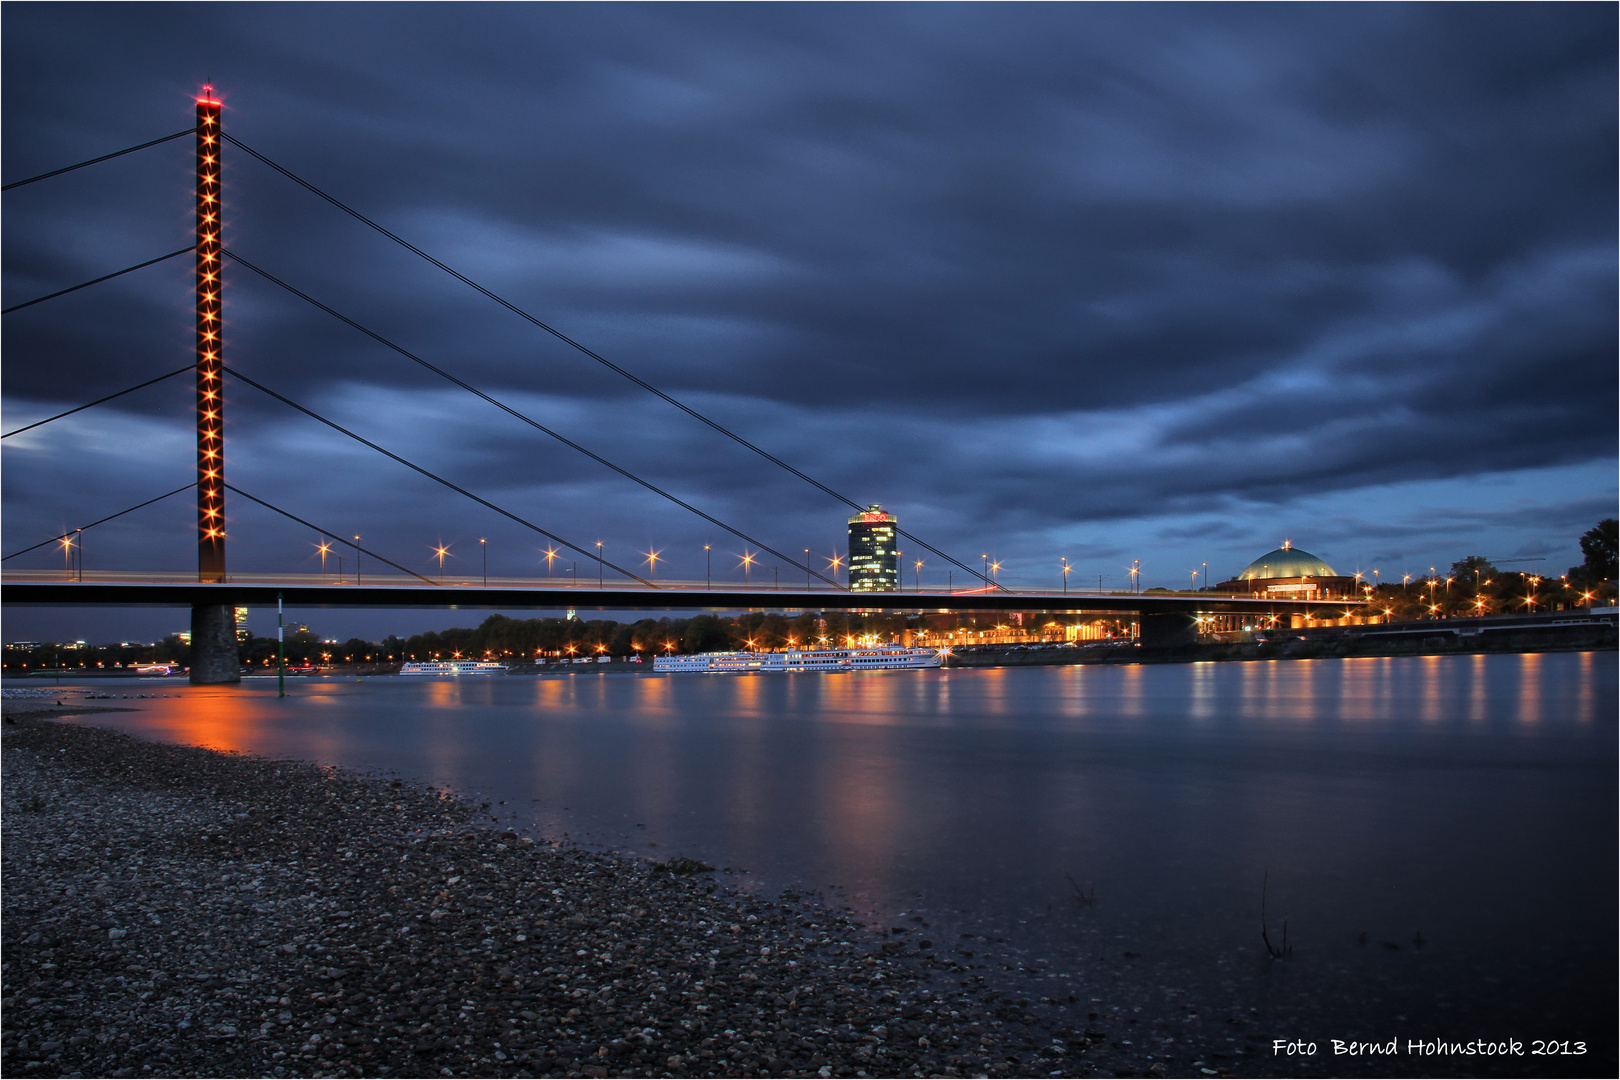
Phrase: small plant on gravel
(680, 864)
(1276, 952)
(1081, 897)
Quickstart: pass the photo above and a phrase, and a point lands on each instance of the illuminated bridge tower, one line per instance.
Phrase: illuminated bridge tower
(213, 626)
(874, 561)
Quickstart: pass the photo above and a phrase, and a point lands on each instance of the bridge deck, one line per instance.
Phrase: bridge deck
(107, 589)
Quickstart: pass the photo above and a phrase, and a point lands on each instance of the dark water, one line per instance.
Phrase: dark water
(1439, 833)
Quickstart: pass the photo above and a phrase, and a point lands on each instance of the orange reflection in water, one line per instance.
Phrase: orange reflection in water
(1530, 688)
(871, 698)
(1478, 698)
(1585, 707)
(234, 719)
(653, 761)
(216, 719)
(860, 806)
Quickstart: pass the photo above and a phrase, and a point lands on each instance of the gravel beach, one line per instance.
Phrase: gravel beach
(173, 911)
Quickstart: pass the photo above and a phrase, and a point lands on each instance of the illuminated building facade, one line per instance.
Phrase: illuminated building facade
(1289, 574)
(874, 559)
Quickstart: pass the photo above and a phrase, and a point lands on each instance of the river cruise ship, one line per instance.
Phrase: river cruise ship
(876, 659)
(452, 667)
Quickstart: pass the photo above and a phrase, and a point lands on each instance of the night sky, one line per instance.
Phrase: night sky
(1140, 282)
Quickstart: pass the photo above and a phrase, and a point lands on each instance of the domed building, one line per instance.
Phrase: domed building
(1292, 574)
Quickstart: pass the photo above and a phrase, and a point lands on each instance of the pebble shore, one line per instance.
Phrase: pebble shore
(173, 911)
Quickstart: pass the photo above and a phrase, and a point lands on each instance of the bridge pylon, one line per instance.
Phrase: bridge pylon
(213, 628)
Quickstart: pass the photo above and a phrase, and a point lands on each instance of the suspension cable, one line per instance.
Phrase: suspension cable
(95, 281)
(93, 524)
(525, 418)
(95, 160)
(336, 536)
(434, 476)
(98, 401)
(559, 335)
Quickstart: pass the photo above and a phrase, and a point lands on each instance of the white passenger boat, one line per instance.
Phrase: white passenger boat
(452, 667)
(883, 657)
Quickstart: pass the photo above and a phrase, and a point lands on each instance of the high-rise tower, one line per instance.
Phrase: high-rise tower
(874, 561)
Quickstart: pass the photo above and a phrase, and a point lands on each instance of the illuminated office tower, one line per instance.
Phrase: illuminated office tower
(874, 561)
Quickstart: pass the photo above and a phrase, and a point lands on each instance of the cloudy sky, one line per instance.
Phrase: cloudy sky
(1105, 282)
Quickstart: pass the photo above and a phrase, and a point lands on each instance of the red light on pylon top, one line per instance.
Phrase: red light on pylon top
(208, 97)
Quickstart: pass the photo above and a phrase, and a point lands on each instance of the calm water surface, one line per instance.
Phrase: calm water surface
(1438, 832)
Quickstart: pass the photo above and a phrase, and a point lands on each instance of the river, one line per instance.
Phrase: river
(1438, 833)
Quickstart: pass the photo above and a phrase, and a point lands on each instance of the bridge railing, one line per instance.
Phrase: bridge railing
(568, 582)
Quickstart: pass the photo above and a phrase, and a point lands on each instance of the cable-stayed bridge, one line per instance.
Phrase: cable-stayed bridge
(213, 591)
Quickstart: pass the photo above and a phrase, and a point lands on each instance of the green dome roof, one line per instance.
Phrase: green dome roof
(1287, 562)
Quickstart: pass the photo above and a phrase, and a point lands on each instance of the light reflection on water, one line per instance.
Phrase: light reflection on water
(1469, 798)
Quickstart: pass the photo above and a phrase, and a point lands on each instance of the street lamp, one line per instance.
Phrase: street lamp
(324, 548)
(708, 567)
(483, 547)
(650, 557)
(441, 551)
(551, 553)
(916, 576)
(807, 584)
(1136, 568)
(599, 564)
(1066, 569)
(357, 558)
(747, 564)
(832, 566)
(1192, 584)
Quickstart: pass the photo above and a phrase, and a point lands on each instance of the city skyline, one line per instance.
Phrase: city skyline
(1103, 285)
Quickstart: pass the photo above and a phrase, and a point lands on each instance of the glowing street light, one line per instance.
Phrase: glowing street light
(832, 567)
(1066, 569)
(357, 558)
(483, 546)
(325, 549)
(916, 576)
(599, 564)
(747, 564)
(650, 557)
(441, 551)
(551, 555)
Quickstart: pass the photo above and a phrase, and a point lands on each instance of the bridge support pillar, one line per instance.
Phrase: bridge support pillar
(214, 657)
(1167, 630)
